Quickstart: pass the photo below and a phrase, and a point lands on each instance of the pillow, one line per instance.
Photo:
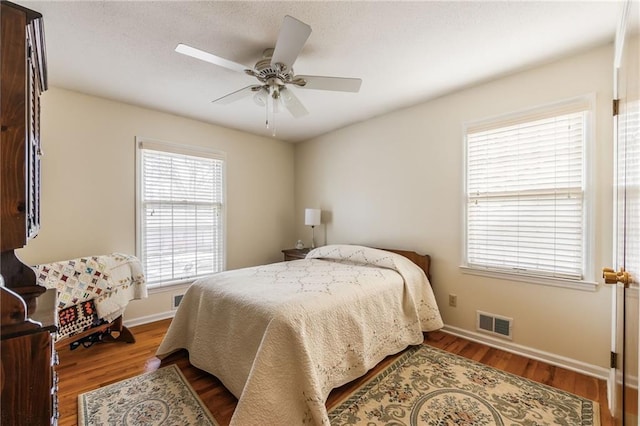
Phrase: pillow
(355, 254)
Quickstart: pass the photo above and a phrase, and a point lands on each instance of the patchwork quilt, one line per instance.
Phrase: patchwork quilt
(77, 318)
(109, 281)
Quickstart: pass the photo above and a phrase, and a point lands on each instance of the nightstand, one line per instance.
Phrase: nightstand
(293, 254)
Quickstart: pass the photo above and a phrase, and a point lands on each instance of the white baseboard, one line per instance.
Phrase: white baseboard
(149, 318)
(549, 358)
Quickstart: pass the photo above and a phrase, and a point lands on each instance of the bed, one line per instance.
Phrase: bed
(92, 294)
(280, 337)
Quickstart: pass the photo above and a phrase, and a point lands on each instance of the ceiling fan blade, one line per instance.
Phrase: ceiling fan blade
(208, 57)
(292, 103)
(338, 84)
(292, 37)
(238, 94)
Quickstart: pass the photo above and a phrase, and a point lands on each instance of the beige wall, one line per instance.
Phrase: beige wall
(88, 184)
(393, 181)
(397, 181)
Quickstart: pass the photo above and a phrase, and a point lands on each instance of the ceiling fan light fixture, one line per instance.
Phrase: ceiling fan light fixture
(274, 91)
(275, 98)
(260, 98)
(285, 95)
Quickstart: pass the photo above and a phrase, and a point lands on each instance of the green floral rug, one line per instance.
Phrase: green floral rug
(162, 397)
(428, 386)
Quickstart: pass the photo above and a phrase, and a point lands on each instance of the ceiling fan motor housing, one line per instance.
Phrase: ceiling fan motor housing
(271, 74)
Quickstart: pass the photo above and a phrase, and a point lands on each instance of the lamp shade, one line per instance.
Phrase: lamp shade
(312, 217)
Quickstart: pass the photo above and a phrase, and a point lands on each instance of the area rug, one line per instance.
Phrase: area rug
(428, 386)
(162, 397)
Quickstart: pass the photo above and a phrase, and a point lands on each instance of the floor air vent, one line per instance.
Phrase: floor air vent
(494, 324)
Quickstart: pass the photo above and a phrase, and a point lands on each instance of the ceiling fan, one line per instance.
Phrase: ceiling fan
(275, 72)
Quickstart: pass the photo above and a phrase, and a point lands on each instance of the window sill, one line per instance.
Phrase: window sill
(531, 279)
(169, 286)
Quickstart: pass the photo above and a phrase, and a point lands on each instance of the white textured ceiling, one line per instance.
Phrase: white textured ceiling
(405, 52)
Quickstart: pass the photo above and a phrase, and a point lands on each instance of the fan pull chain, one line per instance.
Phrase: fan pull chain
(266, 118)
(273, 125)
(271, 114)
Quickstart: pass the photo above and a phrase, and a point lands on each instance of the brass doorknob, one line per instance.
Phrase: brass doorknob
(612, 277)
(624, 277)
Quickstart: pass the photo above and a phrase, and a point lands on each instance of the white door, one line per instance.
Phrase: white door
(624, 378)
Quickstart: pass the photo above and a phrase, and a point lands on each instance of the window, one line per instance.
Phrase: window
(526, 198)
(180, 212)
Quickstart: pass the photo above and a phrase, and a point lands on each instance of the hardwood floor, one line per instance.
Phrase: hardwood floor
(84, 369)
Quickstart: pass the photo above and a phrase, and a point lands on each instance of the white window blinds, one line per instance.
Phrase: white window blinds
(181, 212)
(525, 195)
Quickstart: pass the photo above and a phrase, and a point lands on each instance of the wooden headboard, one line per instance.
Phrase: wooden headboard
(422, 260)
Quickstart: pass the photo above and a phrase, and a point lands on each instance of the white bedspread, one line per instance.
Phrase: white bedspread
(280, 337)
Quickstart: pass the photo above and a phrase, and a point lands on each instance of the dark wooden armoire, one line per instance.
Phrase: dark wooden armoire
(28, 312)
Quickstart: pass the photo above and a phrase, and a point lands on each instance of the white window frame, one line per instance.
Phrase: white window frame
(175, 148)
(587, 282)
